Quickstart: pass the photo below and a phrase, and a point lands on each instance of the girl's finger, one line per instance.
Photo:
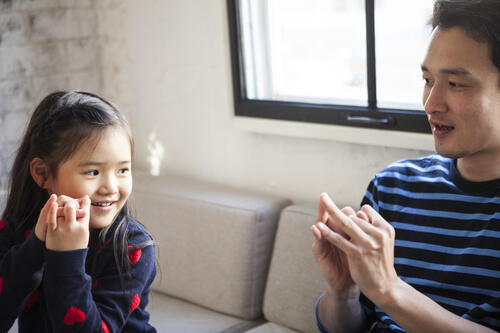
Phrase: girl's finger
(45, 208)
(79, 212)
(84, 203)
(63, 200)
(70, 212)
(52, 218)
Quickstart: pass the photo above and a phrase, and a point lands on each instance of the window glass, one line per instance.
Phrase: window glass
(293, 50)
(401, 36)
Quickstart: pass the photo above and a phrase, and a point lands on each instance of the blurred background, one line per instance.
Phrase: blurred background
(167, 65)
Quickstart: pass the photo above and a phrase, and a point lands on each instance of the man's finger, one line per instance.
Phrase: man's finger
(322, 214)
(336, 239)
(343, 224)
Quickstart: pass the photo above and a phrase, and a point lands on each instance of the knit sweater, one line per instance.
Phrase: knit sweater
(70, 291)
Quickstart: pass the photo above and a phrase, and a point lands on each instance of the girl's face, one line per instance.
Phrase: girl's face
(101, 170)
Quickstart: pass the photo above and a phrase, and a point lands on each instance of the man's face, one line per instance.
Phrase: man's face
(461, 95)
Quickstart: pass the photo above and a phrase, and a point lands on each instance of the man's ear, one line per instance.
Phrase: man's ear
(39, 171)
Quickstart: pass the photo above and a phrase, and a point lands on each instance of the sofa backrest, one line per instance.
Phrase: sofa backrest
(215, 242)
(295, 281)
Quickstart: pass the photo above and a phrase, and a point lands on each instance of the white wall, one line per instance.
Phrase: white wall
(167, 64)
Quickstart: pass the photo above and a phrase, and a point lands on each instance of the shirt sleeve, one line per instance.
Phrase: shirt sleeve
(76, 303)
(21, 267)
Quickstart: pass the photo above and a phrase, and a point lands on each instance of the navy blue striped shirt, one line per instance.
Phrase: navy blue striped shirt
(447, 237)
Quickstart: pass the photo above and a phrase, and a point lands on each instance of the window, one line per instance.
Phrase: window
(344, 62)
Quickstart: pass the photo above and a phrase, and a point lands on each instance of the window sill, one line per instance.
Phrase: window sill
(337, 133)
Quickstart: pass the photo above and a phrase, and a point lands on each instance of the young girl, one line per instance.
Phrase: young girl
(71, 257)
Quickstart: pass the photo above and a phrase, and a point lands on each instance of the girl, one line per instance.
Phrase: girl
(71, 257)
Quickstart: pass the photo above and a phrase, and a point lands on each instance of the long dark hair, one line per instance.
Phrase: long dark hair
(62, 122)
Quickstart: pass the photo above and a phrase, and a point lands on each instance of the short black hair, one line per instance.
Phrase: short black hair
(479, 19)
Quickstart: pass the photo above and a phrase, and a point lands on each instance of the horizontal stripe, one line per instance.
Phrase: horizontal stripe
(447, 249)
(452, 301)
(419, 168)
(490, 308)
(369, 196)
(388, 321)
(448, 286)
(449, 232)
(488, 320)
(438, 196)
(439, 213)
(448, 268)
(423, 179)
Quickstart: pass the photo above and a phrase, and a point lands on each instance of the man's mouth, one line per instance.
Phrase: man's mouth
(441, 129)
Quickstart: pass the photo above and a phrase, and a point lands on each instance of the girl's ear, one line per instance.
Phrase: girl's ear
(39, 171)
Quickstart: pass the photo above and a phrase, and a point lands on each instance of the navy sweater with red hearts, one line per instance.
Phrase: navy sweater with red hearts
(66, 291)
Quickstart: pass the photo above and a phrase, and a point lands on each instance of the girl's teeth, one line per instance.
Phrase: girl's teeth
(102, 204)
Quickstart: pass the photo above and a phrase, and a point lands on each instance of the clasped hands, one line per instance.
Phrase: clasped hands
(64, 223)
(355, 251)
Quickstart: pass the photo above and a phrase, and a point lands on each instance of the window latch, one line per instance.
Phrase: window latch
(385, 121)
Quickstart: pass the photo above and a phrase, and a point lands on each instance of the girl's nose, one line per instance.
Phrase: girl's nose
(109, 185)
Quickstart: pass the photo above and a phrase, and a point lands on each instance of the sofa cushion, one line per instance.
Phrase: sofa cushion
(271, 328)
(169, 314)
(214, 242)
(295, 281)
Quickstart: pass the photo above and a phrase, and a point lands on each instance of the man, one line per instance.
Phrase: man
(422, 254)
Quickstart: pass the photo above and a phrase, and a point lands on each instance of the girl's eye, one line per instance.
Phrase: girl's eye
(92, 173)
(123, 171)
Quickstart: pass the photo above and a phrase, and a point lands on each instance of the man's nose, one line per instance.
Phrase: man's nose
(435, 100)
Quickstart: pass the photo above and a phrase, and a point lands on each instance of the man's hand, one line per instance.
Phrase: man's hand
(368, 248)
(332, 261)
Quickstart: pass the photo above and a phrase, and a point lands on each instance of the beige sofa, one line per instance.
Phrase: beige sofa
(229, 260)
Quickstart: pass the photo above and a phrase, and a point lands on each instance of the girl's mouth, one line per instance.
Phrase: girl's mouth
(102, 204)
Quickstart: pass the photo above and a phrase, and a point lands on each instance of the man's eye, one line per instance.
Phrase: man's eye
(427, 81)
(92, 172)
(455, 84)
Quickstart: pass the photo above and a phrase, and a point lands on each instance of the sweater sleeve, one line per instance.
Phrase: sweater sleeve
(20, 272)
(76, 303)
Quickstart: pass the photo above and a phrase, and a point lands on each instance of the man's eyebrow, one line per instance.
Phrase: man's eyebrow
(450, 71)
(89, 163)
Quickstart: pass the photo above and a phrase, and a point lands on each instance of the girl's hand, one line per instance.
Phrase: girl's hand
(69, 232)
(48, 212)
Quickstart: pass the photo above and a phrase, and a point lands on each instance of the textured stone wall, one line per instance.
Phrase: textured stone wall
(45, 45)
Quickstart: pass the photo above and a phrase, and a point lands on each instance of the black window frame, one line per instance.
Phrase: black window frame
(371, 116)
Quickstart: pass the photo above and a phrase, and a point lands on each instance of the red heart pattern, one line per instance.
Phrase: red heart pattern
(33, 298)
(134, 256)
(93, 285)
(135, 302)
(104, 327)
(3, 224)
(73, 316)
(27, 233)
